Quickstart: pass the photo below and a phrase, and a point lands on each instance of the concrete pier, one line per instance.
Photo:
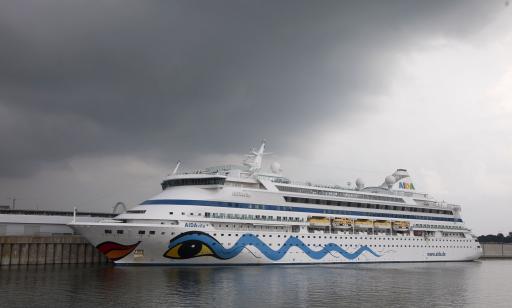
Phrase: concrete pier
(63, 249)
(496, 250)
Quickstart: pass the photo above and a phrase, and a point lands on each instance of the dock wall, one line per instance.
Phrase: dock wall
(64, 249)
(496, 250)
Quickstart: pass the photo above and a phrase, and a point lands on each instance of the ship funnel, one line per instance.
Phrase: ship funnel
(398, 175)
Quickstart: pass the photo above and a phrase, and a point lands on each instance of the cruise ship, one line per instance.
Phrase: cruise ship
(239, 214)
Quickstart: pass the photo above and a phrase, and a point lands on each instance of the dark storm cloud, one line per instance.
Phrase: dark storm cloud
(181, 77)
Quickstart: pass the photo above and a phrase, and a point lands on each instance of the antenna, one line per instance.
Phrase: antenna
(13, 204)
(176, 168)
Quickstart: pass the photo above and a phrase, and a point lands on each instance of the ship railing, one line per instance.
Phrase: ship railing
(210, 172)
(196, 172)
(338, 187)
(408, 194)
(254, 217)
(56, 213)
(309, 184)
(401, 193)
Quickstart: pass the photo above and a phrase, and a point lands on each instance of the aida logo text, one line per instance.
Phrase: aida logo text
(405, 185)
(194, 225)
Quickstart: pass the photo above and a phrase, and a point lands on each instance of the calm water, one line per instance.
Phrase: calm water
(478, 284)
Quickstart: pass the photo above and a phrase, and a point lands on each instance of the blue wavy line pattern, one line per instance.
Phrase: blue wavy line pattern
(251, 240)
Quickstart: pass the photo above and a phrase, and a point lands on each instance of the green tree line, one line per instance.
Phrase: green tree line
(498, 238)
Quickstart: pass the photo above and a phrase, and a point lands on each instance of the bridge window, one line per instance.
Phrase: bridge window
(200, 181)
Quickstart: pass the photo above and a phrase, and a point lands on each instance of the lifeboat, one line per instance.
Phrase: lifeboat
(401, 225)
(363, 224)
(342, 223)
(382, 224)
(319, 221)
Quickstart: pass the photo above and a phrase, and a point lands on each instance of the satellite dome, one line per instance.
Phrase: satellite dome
(275, 167)
(359, 183)
(390, 180)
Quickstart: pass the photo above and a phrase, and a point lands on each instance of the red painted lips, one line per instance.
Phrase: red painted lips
(115, 251)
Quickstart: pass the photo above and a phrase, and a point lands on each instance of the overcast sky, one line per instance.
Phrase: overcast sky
(98, 100)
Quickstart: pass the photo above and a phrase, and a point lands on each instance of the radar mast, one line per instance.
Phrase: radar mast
(253, 160)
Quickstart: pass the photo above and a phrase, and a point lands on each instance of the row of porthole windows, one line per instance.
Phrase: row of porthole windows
(451, 234)
(255, 228)
(244, 216)
(183, 214)
(358, 245)
(405, 238)
(437, 226)
(139, 232)
(151, 232)
(251, 217)
(348, 237)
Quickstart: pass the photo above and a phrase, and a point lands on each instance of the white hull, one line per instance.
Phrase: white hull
(385, 248)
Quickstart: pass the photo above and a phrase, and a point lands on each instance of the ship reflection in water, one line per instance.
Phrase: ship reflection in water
(480, 283)
(413, 284)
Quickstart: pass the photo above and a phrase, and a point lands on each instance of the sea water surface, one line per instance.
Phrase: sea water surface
(453, 284)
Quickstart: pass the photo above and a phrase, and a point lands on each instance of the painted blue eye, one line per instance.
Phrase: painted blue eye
(189, 249)
(191, 245)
